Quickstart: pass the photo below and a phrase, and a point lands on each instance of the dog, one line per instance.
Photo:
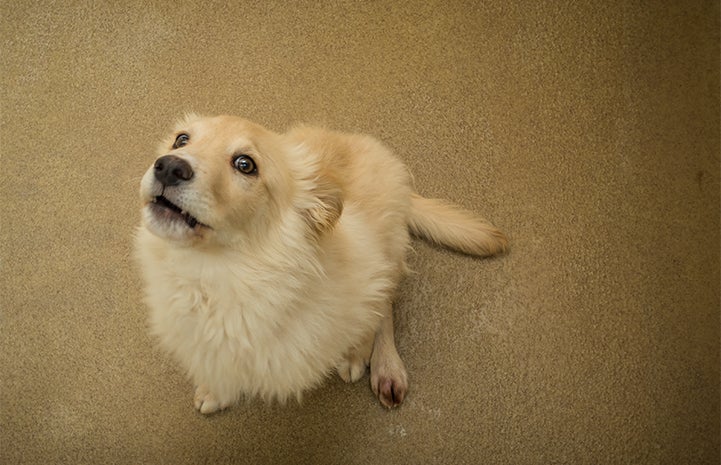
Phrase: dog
(270, 260)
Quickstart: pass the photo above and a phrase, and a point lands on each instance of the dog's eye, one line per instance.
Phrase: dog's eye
(181, 140)
(244, 164)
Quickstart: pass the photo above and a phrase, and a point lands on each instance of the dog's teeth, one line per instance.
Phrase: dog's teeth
(183, 212)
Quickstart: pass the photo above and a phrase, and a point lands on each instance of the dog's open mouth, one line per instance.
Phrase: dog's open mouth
(165, 209)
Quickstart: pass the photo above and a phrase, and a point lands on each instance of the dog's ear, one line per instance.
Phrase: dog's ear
(327, 205)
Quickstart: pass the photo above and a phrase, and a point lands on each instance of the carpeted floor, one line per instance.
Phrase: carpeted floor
(588, 131)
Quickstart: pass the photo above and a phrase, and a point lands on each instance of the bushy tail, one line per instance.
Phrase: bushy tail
(451, 226)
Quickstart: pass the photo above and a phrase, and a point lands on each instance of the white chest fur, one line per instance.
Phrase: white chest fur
(255, 326)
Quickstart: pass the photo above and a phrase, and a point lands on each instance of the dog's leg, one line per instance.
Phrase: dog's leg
(353, 366)
(389, 380)
(205, 402)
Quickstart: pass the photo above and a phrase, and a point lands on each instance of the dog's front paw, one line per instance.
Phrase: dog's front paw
(389, 380)
(352, 368)
(205, 402)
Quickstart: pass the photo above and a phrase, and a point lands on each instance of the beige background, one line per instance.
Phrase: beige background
(589, 131)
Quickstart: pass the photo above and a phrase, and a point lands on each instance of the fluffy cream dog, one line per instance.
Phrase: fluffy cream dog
(271, 259)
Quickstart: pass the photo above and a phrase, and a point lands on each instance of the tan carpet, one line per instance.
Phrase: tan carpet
(589, 131)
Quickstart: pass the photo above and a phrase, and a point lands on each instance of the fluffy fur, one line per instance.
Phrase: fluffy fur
(263, 282)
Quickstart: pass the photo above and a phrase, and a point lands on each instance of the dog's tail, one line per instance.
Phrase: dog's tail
(451, 226)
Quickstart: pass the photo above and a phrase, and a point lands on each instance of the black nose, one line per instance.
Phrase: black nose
(171, 170)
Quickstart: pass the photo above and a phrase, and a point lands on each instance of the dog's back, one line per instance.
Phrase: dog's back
(375, 185)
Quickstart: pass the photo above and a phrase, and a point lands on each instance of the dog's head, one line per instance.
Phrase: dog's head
(225, 180)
